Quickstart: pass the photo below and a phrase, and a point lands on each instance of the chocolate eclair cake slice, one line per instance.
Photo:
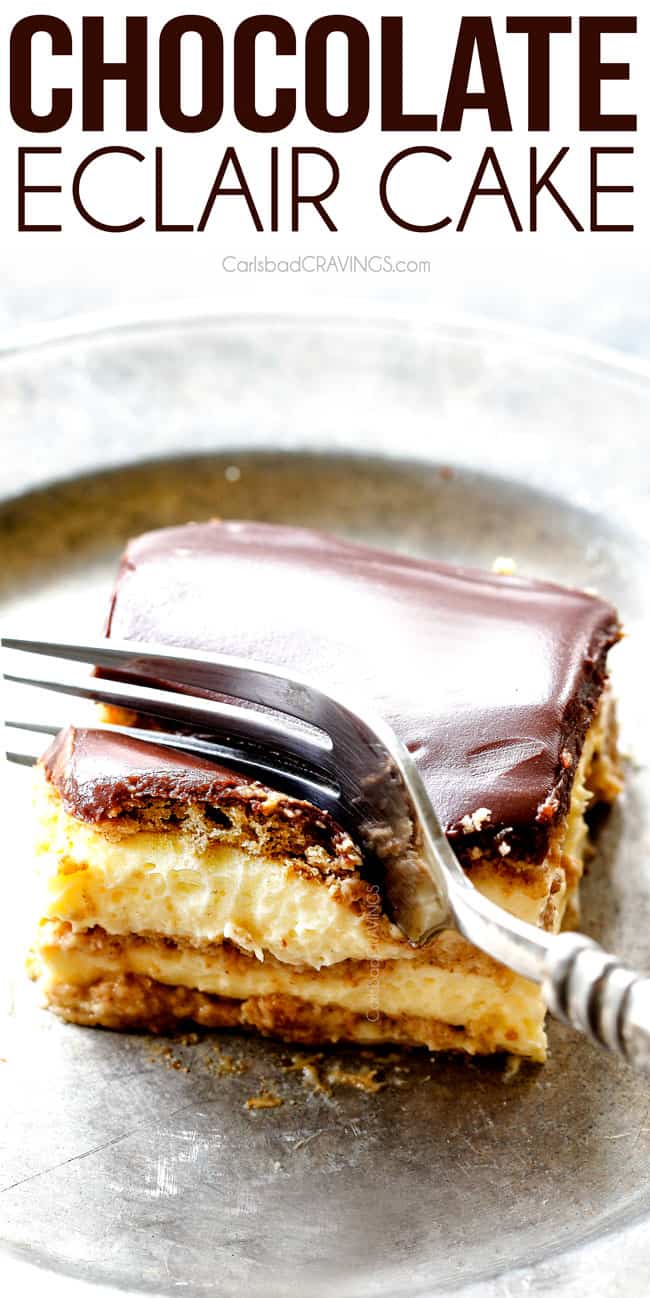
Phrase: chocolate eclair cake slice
(176, 889)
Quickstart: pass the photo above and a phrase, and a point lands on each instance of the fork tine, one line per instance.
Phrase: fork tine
(34, 726)
(168, 665)
(222, 718)
(381, 796)
(209, 748)
(28, 750)
(298, 784)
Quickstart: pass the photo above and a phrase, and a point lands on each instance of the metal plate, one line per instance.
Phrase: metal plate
(118, 1167)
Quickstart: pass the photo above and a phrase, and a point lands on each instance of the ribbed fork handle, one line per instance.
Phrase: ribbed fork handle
(594, 992)
(582, 985)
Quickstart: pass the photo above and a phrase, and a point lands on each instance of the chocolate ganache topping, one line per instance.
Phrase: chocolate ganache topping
(490, 681)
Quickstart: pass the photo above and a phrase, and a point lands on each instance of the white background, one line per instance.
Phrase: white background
(591, 285)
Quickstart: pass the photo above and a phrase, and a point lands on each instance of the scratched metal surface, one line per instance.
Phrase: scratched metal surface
(125, 1167)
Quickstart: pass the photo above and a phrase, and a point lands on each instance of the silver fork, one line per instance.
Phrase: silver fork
(351, 763)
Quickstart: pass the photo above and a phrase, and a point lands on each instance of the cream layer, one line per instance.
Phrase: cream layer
(496, 1009)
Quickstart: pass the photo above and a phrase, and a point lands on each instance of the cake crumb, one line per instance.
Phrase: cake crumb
(504, 566)
(265, 1100)
(511, 1070)
(225, 1066)
(566, 759)
(363, 1080)
(168, 1057)
(476, 820)
(320, 1075)
(311, 1077)
(548, 808)
(308, 1067)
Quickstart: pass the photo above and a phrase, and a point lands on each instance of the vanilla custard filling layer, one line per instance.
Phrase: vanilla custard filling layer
(161, 883)
(153, 882)
(501, 1010)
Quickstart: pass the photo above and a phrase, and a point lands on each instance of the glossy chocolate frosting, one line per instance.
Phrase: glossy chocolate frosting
(491, 681)
(99, 773)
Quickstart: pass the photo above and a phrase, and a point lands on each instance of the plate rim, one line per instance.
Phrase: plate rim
(91, 326)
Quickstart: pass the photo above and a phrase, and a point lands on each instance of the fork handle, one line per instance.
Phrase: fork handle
(582, 985)
(594, 992)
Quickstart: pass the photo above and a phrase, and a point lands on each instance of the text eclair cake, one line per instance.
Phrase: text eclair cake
(175, 889)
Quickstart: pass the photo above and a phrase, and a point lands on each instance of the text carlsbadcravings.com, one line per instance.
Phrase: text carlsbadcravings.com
(299, 183)
(318, 264)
